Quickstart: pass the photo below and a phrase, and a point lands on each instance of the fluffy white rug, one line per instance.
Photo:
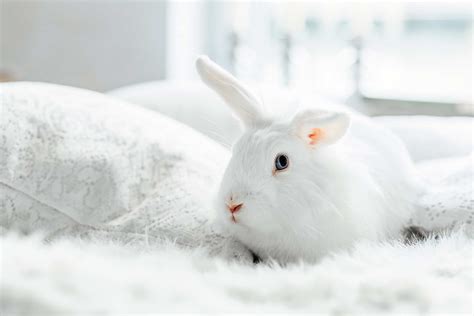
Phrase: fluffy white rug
(70, 276)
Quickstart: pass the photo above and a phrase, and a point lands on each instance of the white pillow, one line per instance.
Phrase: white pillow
(191, 103)
(93, 157)
(431, 137)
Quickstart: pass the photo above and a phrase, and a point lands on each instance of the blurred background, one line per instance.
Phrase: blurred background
(382, 58)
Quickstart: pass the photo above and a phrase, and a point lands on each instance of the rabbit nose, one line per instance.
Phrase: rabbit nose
(234, 207)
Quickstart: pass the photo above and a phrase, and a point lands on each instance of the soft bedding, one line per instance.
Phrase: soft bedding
(76, 162)
(126, 190)
(72, 277)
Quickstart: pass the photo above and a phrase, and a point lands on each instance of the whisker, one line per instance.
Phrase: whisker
(212, 130)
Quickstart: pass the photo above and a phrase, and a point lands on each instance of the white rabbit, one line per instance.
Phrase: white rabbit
(299, 188)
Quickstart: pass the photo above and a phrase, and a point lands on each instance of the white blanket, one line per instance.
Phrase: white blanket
(98, 278)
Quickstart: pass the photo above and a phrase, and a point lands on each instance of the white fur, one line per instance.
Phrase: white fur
(74, 278)
(351, 185)
(235, 93)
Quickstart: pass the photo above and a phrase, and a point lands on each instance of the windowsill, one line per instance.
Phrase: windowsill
(376, 106)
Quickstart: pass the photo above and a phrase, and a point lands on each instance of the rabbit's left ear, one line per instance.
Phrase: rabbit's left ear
(238, 97)
(320, 127)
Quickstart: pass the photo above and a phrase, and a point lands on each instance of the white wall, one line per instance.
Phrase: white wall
(185, 38)
(98, 45)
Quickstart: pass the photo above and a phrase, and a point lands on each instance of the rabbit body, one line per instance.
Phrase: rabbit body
(300, 188)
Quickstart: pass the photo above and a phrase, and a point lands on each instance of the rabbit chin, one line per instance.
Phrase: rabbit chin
(276, 243)
(286, 240)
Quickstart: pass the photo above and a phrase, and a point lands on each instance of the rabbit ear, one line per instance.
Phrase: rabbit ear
(242, 102)
(320, 127)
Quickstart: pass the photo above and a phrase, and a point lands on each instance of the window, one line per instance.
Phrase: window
(411, 56)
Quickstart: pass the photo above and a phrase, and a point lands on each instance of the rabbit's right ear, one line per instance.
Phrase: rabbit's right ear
(239, 98)
(317, 127)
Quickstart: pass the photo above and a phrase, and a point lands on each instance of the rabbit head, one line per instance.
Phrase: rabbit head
(275, 191)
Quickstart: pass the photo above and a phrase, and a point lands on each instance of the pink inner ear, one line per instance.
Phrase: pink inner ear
(315, 136)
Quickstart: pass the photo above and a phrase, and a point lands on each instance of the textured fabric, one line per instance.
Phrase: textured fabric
(448, 203)
(81, 163)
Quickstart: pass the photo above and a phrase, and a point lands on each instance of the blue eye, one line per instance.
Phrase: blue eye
(281, 162)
